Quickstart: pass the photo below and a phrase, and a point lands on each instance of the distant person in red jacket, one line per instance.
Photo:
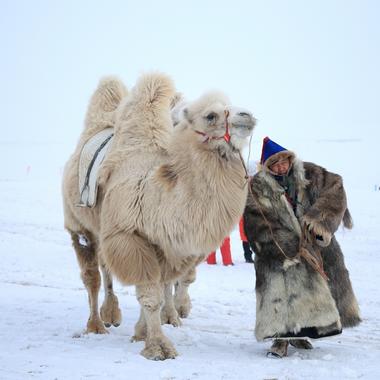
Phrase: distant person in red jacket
(244, 239)
(225, 250)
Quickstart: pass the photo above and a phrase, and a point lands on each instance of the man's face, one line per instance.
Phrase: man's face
(280, 167)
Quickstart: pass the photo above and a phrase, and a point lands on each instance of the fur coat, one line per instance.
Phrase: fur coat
(292, 298)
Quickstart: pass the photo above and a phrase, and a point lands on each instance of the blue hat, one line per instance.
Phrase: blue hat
(273, 151)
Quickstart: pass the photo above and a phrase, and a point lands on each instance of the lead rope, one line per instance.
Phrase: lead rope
(246, 177)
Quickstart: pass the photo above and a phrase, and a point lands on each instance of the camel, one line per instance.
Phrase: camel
(166, 197)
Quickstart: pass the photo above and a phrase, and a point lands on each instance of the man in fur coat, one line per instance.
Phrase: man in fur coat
(303, 289)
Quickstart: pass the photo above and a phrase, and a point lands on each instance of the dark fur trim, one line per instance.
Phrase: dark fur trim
(279, 156)
(308, 332)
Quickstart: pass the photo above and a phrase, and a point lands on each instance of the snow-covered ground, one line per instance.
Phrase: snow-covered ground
(43, 304)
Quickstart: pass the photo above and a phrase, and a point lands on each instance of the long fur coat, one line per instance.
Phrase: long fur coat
(292, 298)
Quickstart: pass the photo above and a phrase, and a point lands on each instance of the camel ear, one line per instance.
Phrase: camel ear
(186, 115)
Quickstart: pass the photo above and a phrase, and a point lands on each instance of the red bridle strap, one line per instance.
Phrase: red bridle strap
(226, 136)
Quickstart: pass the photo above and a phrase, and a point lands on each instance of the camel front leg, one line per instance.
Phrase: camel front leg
(157, 345)
(182, 300)
(169, 314)
(110, 311)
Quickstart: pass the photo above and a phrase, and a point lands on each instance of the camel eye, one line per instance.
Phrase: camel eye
(211, 117)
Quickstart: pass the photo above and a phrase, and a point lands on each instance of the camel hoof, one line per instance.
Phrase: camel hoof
(95, 326)
(184, 311)
(159, 349)
(183, 306)
(170, 318)
(110, 312)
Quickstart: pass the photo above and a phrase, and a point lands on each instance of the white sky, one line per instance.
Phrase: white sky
(307, 69)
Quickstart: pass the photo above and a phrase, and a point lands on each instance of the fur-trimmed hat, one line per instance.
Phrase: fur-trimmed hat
(273, 152)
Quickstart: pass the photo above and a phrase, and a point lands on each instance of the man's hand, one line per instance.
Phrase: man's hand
(316, 231)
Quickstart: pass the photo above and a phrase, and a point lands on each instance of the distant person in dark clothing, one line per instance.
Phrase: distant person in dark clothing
(244, 239)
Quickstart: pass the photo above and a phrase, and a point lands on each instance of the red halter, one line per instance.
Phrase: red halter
(226, 136)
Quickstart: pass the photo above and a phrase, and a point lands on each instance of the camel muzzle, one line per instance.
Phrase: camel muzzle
(242, 119)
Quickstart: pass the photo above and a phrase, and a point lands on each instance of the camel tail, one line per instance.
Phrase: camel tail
(103, 104)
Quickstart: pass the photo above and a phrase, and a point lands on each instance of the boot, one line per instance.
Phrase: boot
(301, 343)
(279, 349)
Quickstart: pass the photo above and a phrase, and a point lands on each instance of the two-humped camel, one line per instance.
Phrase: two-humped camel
(166, 196)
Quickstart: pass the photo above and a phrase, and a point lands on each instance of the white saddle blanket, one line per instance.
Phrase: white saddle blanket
(91, 157)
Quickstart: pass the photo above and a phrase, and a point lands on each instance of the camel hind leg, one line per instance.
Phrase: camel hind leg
(88, 263)
(169, 314)
(182, 300)
(109, 311)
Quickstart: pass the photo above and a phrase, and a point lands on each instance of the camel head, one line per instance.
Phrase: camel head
(218, 123)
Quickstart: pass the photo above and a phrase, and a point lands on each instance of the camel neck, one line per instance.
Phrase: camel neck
(205, 161)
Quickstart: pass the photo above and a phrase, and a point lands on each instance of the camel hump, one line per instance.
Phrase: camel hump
(154, 90)
(144, 118)
(108, 94)
(103, 104)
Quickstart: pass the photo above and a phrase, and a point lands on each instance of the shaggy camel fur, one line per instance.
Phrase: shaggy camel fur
(166, 197)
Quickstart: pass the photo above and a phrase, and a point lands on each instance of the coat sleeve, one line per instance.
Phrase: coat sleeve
(329, 202)
(263, 229)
